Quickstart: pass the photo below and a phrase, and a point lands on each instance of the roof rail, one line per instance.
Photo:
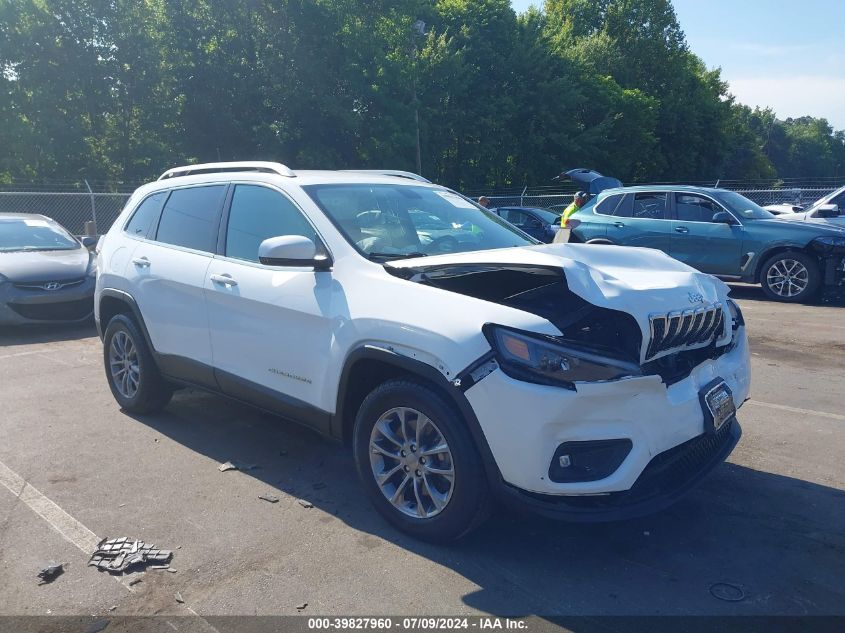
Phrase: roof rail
(211, 168)
(398, 173)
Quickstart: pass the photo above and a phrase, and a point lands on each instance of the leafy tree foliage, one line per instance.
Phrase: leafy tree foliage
(118, 90)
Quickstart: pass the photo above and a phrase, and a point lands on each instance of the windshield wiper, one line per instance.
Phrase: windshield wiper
(375, 256)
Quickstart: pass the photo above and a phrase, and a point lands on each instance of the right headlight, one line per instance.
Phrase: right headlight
(829, 245)
(546, 360)
(736, 313)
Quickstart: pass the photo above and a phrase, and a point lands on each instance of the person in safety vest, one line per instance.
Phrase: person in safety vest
(579, 201)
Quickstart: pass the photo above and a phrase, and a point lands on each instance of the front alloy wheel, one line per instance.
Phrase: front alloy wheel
(411, 462)
(790, 277)
(418, 462)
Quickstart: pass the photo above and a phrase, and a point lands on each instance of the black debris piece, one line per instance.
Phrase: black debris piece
(301, 607)
(727, 591)
(97, 626)
(118, 555)
(50, 572)
(269, 497)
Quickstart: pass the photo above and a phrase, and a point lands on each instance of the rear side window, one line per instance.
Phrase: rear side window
(606, 206)
(145, 214)
(650, 206)
(258, 213)
(189, 216)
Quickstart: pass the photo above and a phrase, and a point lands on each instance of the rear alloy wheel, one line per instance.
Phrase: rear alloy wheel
(418, 462)
(790, 277)
(133, 377)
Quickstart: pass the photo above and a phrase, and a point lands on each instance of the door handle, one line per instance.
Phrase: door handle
(141, 262)
(224, 279)
(681, 229)
(619, 225)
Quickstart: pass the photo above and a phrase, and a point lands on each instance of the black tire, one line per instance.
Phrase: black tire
(469, 504)
(769, 277)
(152, 392)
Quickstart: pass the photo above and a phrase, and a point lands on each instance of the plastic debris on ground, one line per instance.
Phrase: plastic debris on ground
(304, 503)
(50, 572)
(118, 555)
(179, 598)
(233, 465)
(269, 497)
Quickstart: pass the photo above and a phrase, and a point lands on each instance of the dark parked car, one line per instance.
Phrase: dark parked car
(46, 274)
(541, 224)
(719, 232)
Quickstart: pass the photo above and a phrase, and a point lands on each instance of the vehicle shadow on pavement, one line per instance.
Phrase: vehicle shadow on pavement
(772, 543)
(748, 292)
(34, 334)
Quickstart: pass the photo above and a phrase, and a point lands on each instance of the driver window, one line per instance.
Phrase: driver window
(258, 213)
(517, 218)
(650, 206)
(691, 208)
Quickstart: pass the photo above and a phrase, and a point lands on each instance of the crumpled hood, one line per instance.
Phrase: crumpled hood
(638, 281)
(25, 266)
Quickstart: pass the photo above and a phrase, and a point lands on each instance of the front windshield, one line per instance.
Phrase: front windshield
(742, 206)
(393, 221)
(35, 234)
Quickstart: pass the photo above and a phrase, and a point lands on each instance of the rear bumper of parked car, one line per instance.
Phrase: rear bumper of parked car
(661, 427)
(21, 305)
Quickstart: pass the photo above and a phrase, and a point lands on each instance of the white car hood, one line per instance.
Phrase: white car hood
(639, 281)
(837, 222)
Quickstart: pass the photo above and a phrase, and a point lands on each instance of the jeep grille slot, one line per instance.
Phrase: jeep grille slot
(685, 328)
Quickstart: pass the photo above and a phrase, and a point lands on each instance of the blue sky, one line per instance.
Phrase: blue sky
(786, 55)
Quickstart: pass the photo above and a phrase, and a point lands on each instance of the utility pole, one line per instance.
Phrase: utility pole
(417, 30)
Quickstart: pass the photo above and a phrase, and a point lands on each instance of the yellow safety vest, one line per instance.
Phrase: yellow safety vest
(568, 211)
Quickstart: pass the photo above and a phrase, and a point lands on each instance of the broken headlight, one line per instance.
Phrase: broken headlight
(829, 245)
(547, 360)
(736, 313)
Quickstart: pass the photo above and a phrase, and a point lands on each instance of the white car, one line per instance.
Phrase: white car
(830, 209)
(581, 381)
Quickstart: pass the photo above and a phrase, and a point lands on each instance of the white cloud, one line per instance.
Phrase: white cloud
(794, 95)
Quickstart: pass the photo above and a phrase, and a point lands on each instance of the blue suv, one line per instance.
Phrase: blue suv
(718, 232)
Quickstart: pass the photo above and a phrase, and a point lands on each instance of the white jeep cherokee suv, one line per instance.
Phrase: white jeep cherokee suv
(463, 362)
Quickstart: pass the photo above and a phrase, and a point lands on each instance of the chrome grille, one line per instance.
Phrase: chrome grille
(685, 328)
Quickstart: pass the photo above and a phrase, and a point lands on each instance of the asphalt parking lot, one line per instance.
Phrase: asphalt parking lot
(74, 469)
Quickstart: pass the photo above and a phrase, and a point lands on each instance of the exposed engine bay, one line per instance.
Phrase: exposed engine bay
(544, 291)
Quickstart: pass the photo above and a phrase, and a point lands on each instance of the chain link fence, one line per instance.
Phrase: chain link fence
(803, 196)
(73, 210)
(76, 209)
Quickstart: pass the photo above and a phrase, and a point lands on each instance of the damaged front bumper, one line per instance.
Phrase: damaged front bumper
(663, 428)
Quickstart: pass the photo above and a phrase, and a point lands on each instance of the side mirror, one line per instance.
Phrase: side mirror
(828, 211)
(292, 250)
(89, 241)
(723, 217)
